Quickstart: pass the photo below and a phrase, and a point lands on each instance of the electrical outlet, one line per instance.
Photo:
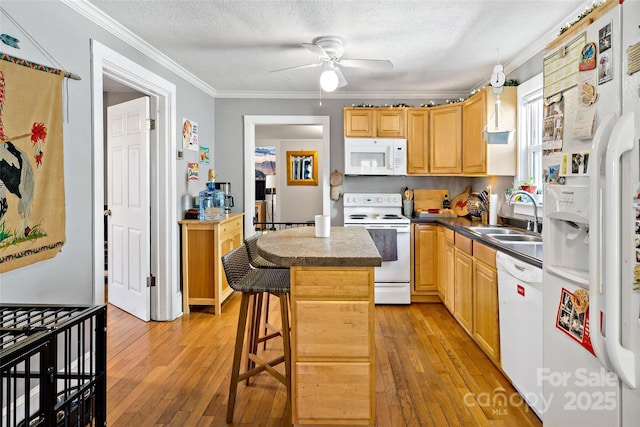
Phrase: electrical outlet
(180, 154)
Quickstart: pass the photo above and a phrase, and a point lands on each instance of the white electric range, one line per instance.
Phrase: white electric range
(383, 211)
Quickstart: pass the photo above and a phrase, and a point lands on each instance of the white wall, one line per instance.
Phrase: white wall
(68, 277)
(294, 203)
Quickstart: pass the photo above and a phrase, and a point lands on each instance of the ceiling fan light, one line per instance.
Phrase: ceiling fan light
(329, 80)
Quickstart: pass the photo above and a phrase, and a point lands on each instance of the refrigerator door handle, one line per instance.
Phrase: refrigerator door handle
(622, 359)
(598, 148)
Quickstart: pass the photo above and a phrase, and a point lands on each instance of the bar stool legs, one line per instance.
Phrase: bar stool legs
(255, 364)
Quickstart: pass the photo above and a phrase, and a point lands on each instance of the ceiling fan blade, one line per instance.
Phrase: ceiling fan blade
(316, 50)
(341, 80)
(296, 67)
(372, 64)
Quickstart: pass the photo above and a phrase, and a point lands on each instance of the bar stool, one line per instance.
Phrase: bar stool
(252, 283)
(258, 261)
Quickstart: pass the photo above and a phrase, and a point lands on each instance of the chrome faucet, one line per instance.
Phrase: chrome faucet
(535, 207)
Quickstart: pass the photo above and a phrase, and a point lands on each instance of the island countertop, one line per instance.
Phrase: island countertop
(345, 247)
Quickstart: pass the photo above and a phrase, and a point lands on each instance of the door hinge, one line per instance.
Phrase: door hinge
(151, 124)
(151, 281)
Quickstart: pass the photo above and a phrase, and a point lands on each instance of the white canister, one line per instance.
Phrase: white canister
(323, 225)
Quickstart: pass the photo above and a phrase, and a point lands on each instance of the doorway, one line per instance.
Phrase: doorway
(250, 124)
(166, 299)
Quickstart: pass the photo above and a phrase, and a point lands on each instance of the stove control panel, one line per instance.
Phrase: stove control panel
(373, 199)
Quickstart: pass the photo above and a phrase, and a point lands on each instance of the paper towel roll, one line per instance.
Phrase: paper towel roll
(323, 225)
(493, 209)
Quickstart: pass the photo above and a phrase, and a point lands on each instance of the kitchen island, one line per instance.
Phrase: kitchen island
(332, 322)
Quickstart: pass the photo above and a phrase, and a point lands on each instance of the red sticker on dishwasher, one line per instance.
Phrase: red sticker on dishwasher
(520, 290)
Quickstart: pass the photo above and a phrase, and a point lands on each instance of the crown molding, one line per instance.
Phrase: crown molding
(95, 15)
(434, 95)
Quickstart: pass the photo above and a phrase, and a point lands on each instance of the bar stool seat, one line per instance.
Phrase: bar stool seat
(253, 283)
(256, 260)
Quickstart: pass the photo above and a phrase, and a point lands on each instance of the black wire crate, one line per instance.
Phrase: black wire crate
(53, 365)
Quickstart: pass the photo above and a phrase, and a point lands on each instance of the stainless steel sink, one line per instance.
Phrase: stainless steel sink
(494, 230)
(517, 238)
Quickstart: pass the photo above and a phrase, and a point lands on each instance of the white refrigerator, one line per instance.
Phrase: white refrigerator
(591, 269)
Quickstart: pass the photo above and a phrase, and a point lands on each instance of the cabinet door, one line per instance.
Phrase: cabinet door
(417, 142)
(463, 284)
(474, 119)
(358, 122)
(449, 268)
(485, 307)
(426, 258)
(445, 139)
(390, 123)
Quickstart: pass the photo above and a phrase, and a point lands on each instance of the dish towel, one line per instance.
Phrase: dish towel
(386, 240)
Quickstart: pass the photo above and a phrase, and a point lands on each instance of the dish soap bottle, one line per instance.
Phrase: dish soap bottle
(446, 203)
(211, 201)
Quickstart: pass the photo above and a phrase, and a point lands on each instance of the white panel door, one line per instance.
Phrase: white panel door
(128, 200)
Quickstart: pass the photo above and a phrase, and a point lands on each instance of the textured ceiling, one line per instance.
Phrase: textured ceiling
(436, 46)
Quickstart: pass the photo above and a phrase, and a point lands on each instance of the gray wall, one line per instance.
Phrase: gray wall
(68, 277)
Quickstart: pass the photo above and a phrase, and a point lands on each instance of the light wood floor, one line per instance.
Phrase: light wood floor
(429, 373)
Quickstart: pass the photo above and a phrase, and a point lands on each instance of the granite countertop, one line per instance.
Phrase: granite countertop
(531, 254)
(346, 247)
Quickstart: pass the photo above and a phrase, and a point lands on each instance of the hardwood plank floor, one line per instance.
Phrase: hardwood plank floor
(429, 373)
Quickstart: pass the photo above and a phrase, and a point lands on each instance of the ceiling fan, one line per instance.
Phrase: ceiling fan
(329, 50)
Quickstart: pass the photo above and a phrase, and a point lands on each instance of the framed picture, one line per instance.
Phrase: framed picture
(302, 168)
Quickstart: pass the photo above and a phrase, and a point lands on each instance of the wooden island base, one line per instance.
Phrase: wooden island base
(332, 323)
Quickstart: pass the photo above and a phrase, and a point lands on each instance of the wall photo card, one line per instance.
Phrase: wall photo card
(189, 134)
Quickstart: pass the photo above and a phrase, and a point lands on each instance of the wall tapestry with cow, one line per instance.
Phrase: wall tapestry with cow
(32, 209)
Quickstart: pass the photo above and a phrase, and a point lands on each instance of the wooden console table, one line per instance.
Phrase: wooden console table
(203, 243)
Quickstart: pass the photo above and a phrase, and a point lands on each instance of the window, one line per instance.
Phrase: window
(530, 109)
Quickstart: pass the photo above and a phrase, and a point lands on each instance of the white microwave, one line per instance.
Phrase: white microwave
(375, 156)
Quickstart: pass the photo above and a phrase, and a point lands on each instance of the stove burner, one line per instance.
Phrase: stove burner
(391, 216)
(357, 216)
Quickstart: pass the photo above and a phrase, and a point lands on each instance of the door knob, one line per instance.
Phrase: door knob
(107, 212)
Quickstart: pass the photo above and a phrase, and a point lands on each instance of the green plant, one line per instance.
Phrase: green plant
(528, 182)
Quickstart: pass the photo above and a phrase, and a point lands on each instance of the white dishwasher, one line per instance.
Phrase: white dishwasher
(520, 302)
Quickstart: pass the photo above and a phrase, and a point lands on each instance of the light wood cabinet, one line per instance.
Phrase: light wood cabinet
(446, 267)
(445, 139)
(425, 259)
(417, 141)
(333, 350)
(203, 243)
(374, 122)
(478, 113)
(463, 282)
(486, 327)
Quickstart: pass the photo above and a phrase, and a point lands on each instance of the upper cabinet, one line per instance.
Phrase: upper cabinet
(479, 112)
(374, 122)
(445, 139)
(417, 141)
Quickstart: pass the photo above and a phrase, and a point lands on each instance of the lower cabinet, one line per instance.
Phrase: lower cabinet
(446, 267)
(425, 264)
(486, 327)
(463, 287)
(469, 283)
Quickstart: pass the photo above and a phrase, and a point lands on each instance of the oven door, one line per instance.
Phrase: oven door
(398, 271)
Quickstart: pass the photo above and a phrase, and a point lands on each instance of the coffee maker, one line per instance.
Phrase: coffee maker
(228, 198)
